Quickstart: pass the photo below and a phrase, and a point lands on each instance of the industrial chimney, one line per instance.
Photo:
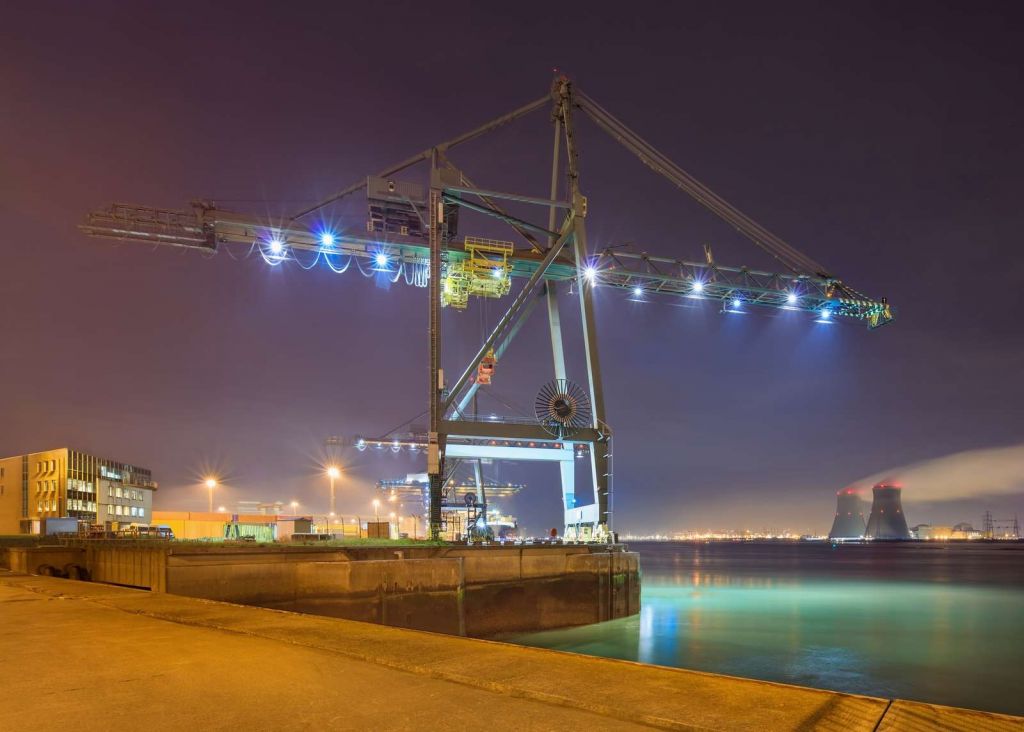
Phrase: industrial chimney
(887, 520)
(849, 521)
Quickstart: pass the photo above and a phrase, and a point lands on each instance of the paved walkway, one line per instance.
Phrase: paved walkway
(88, 656)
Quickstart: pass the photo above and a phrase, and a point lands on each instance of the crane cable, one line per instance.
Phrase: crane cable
(659, 163)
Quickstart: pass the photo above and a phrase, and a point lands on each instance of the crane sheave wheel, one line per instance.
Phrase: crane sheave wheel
(563, 408)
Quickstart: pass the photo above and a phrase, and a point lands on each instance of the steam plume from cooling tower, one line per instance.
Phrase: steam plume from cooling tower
(970, 474)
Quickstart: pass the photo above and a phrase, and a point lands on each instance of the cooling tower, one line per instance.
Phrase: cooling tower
(887, 520)
(849, 521)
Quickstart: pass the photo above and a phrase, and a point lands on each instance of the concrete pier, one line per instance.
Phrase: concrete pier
(89, 656)
(475, 591)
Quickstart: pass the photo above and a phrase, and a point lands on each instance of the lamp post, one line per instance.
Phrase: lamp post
(295, 508)
(392, 517)
(332, 473)
(376, 509)
(211, 483)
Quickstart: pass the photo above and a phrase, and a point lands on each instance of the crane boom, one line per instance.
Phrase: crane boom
(208, 228)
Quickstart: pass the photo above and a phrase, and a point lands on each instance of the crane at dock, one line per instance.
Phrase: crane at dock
(411, 233)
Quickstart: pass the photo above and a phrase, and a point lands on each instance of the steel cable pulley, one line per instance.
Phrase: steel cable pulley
(563, 408)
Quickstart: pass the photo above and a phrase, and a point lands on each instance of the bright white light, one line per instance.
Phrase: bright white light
(638, 291)
(381, 260)
(211, 483)
(333, 472)
(791, 298)
(736, 303)
(590, 273)
(327, 239)
(276, 246)
(826, 314)
(698, 286)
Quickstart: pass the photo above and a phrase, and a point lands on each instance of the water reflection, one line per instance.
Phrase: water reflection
(888, 621)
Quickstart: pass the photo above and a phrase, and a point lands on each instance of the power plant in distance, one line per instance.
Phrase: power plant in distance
(886, 520)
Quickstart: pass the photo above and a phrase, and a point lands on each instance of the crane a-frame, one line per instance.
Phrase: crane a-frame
(412, 231)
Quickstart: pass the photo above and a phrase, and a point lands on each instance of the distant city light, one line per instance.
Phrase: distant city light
(381, 259)
(736, 303)
(327, 239)
(638, 291)
(791, 298)
(590, 273)
(698, 286)
(826, 314)
(276, 246)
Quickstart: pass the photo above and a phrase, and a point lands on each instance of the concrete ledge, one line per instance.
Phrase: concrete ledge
(908, 716)
(620, 693)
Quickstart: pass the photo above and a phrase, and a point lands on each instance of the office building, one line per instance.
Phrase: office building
(70, 483)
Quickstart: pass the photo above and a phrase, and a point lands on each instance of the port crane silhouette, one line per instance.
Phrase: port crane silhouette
(412, 232)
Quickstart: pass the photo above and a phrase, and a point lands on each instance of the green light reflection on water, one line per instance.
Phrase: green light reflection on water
(947, 644)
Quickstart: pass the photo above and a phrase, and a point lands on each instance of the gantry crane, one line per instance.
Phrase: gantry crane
(412, 232)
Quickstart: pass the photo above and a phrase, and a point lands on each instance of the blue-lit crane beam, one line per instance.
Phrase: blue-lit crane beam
(206, 227)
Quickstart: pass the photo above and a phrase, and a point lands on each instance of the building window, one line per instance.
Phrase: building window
(110, 510)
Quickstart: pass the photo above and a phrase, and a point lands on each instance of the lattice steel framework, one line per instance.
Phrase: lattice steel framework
(554, 252)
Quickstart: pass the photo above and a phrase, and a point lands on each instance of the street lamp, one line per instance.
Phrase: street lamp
(295, 508)
(211, 483)
(333, 472)
(392, 517)
(376, 508)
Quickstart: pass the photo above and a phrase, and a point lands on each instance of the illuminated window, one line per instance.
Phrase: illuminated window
(110, 510)
(119, 492)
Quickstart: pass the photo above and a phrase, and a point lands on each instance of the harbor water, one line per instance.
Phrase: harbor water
(933, 622)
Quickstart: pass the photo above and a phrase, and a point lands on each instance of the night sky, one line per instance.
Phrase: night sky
(882, 139)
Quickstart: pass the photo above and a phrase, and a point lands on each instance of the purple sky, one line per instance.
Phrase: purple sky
(883, 139)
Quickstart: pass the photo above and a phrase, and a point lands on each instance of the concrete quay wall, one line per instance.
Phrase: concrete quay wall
(475, 591)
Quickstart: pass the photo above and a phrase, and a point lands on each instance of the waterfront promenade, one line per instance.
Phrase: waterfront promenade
(91, 656)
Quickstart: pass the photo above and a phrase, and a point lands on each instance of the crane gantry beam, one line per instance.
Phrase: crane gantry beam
(207, 228)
